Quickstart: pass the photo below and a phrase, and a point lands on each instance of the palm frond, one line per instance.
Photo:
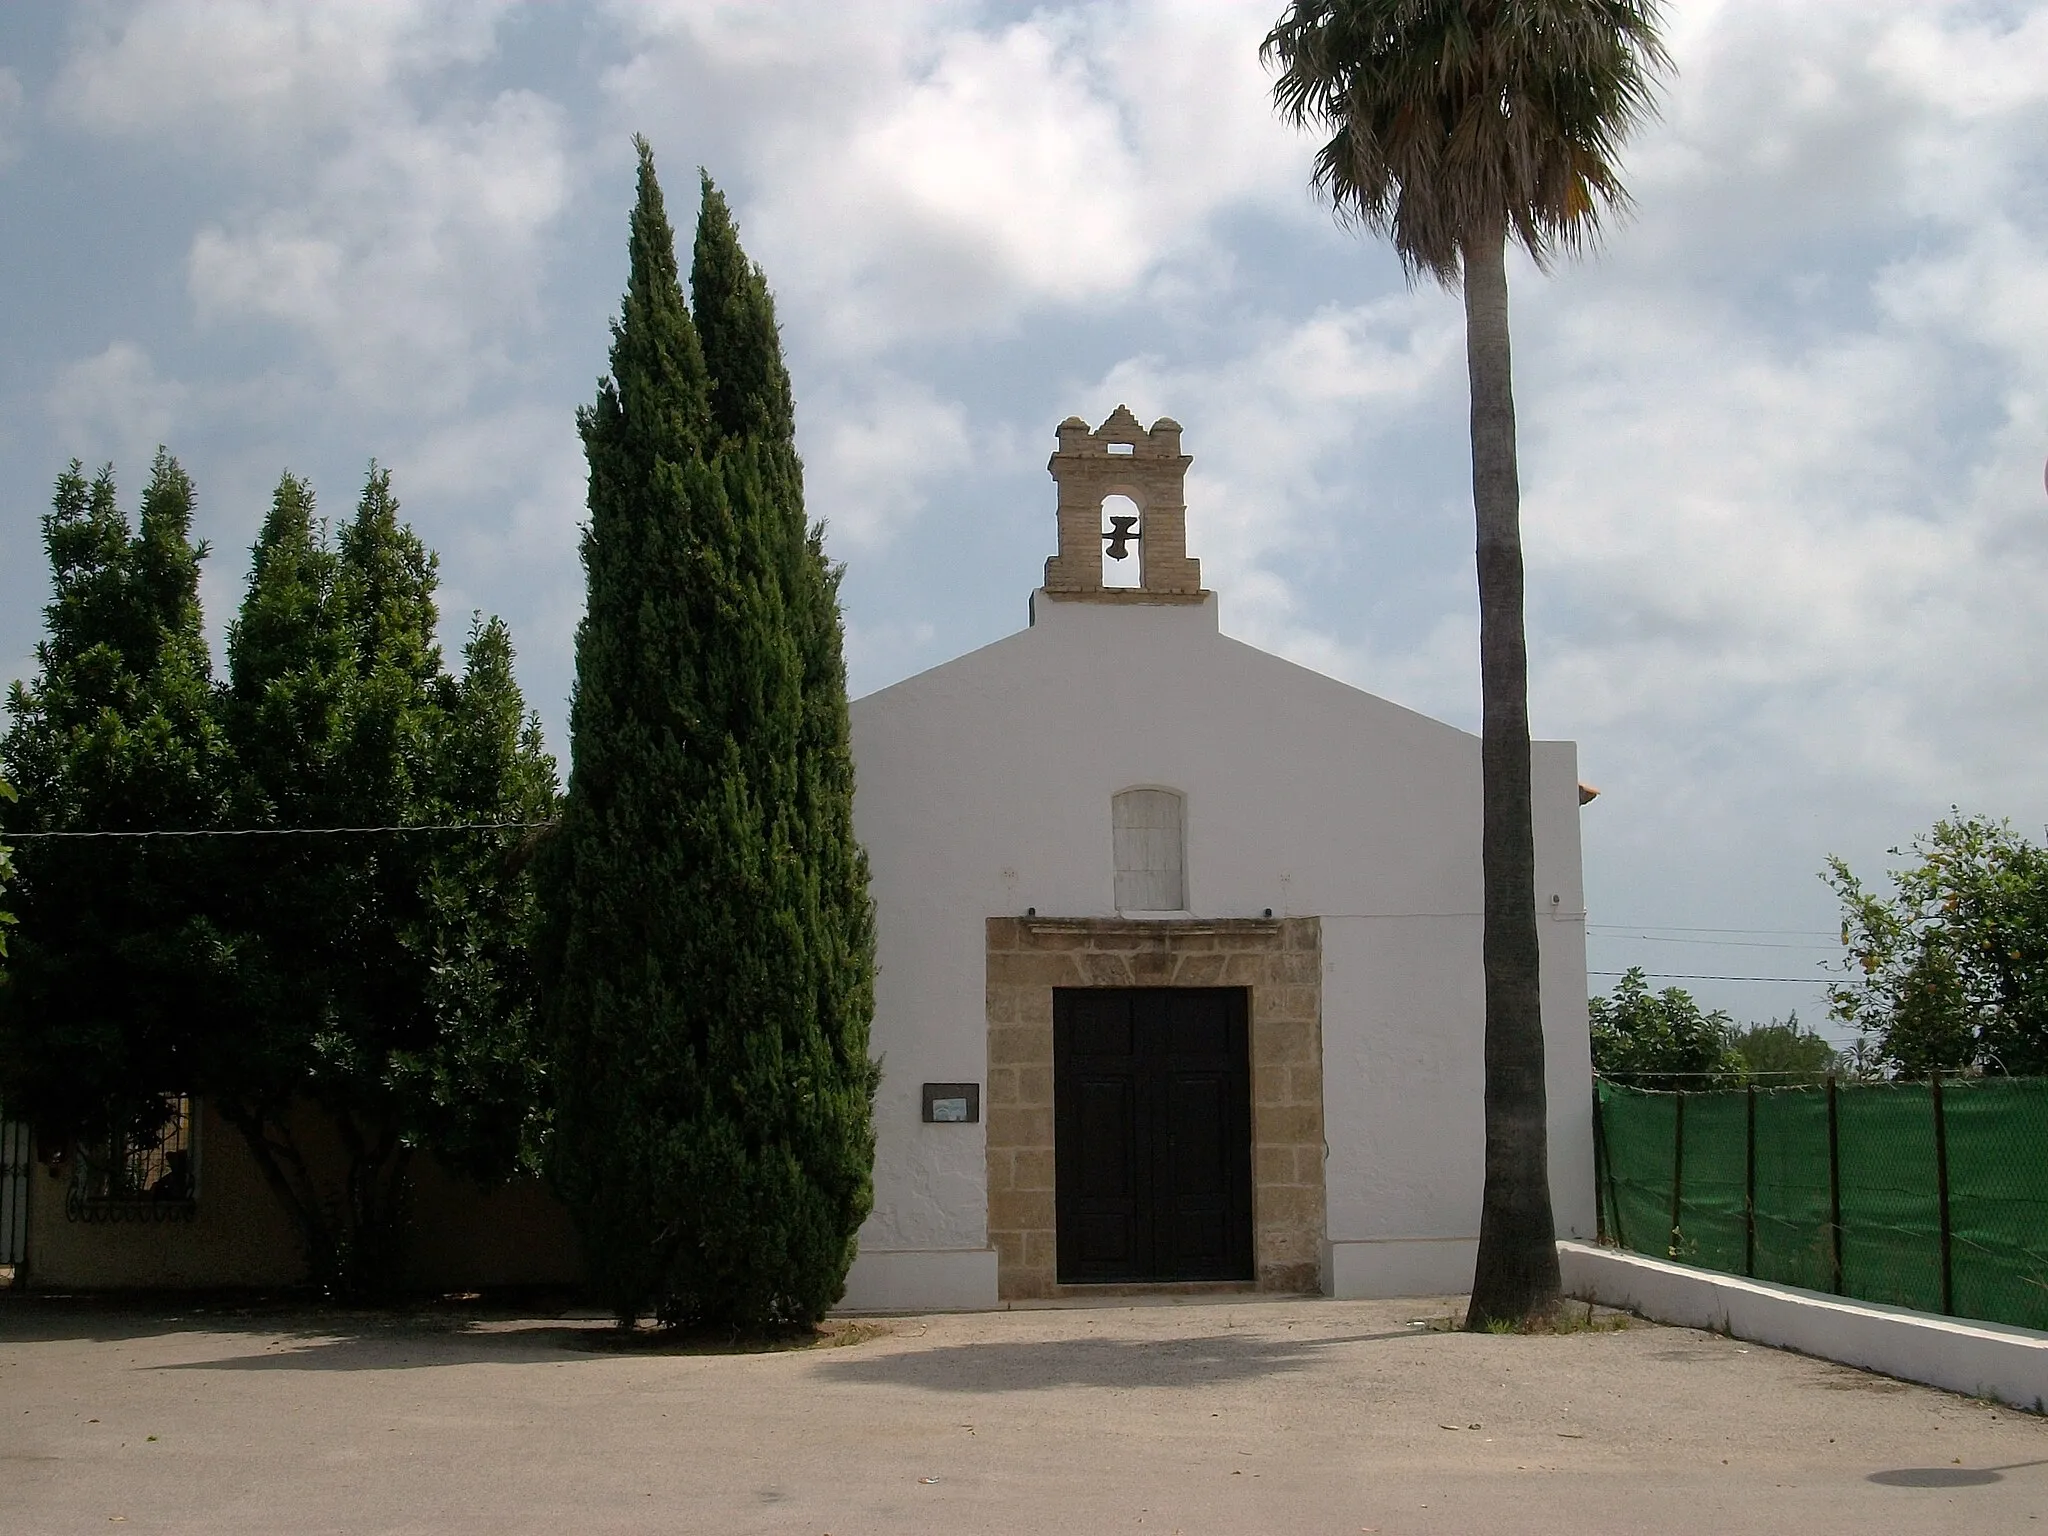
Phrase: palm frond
(1450, 119)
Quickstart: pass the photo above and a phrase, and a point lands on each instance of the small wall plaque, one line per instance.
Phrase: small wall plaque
(952, 1103)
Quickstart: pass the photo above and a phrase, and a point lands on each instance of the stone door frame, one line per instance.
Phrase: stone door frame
(1277, 960)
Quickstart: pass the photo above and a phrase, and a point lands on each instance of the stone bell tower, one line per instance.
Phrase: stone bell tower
(1121, 458)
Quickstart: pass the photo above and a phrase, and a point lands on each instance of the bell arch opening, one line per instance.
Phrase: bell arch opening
(1123, 543)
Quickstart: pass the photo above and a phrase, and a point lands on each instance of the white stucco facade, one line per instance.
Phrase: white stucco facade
(984, 791)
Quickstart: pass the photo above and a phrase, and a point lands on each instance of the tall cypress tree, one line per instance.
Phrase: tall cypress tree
(708, 953)
(820, 901)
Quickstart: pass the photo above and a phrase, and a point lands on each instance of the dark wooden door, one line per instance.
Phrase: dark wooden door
(1152, 1146)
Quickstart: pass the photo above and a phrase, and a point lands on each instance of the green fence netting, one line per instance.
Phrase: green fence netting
(1925, 1195)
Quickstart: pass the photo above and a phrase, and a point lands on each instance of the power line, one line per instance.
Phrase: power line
(1745, 1072)
(1648, 928)
(1795, 981)
(1652, 938)
(449, 826)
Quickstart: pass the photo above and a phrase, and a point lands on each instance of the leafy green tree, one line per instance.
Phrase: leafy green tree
(473, 1089)
(1455, 127)
(118, 953)
(1661, 1039)
(708, 959)
(6, 879)
(386, 983)
(377, 982)
(1950, 971)
(1785, 1054)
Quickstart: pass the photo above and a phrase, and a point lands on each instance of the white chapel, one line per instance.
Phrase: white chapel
(1179, 948)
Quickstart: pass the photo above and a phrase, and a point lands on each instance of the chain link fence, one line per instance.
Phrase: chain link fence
(1925, 1195)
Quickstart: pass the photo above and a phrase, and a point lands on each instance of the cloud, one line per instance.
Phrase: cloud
(115, 405)
(389, 212)
(1292, 439)
(412, 256)
(911, 174)
(1719, 528)
(13, 104)
(517, 477)
(1799, 521)
(887, 651)
(1975, 66)
(500, 495)
(256, 78)
(877, 455)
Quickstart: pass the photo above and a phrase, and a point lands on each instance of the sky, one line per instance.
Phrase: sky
(1782, 436)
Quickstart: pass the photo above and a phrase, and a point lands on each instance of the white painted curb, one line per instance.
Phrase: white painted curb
(1982, 1359)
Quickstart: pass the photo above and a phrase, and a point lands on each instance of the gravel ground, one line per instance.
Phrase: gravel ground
(1297, 1417)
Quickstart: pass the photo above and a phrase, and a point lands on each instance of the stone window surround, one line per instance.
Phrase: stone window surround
(1279, 962)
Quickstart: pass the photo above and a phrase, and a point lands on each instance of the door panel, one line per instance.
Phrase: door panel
(1152, 1134)
(1109, 1164)
(1198, 1025)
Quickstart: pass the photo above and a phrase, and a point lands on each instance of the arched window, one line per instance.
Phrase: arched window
(1151, 862)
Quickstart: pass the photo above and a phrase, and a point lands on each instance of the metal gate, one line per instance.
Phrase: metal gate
(15, 1158)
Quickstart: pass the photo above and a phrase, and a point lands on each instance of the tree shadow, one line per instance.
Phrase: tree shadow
(302, 1333)
(121, 1316)
(1035, 1366)
(291, 1333)
(401, 1346)
(1948, 1477)
(1936, 1477)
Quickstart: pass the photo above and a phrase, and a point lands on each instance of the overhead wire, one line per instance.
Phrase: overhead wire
(1661, 934)
(1644, 930)
(1594, 930)
(1651, 938)
(1745, 1072)
(446, 826)
(1796, 981)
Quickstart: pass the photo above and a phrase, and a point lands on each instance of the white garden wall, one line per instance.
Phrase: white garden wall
(1961, 1354)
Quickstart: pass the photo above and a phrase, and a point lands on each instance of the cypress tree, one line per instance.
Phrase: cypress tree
(708, 952)
(827, 971)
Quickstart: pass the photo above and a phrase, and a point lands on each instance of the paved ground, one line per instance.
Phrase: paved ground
(1296, 1417)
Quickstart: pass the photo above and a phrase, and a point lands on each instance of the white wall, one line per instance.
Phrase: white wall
(984, 790)
(1963, 1355)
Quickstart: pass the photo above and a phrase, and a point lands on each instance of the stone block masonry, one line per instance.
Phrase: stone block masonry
(1152, 471)
(1278, 960)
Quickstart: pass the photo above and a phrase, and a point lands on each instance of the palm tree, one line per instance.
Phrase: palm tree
(1455, 126)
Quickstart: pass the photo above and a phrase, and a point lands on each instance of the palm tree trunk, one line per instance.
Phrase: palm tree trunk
(1516, 1276)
